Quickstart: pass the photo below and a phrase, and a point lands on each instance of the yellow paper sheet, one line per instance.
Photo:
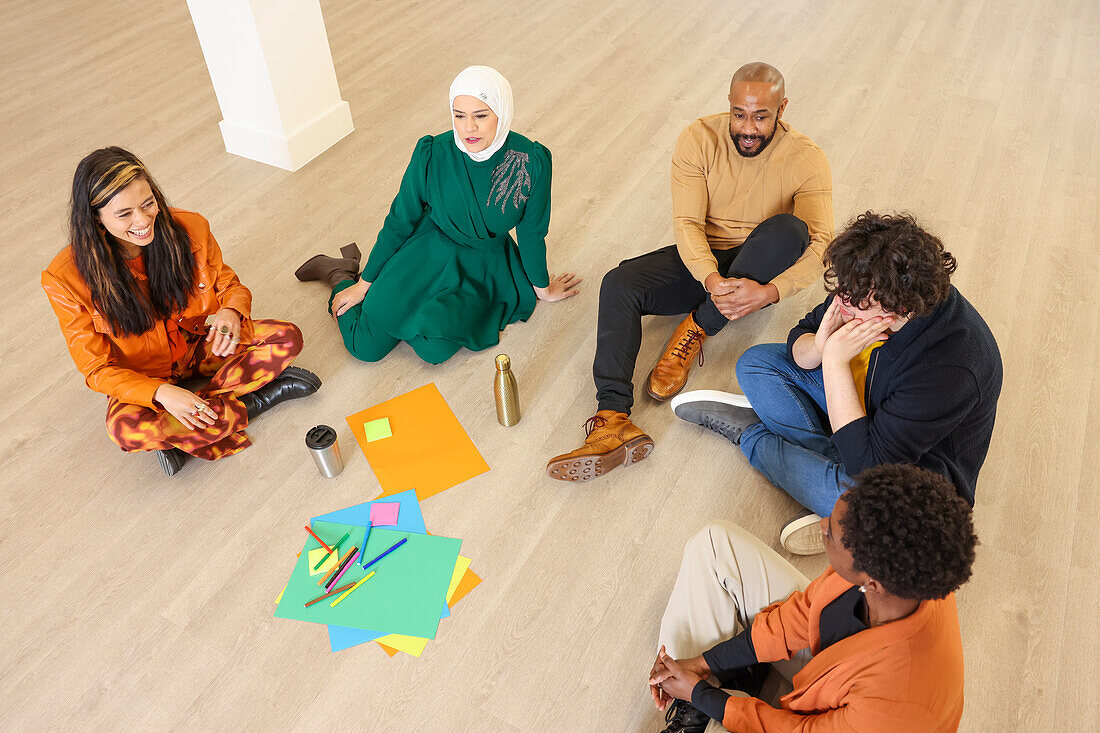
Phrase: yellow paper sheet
(316, 554)
(414, 645)
(280, 598)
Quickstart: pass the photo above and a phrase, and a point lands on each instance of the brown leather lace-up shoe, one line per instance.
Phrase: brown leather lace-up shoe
(612, 441)
(671, 373)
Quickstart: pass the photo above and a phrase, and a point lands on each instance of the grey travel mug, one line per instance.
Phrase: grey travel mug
(321, 442)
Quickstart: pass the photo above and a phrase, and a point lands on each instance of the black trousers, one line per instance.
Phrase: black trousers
(658, 283)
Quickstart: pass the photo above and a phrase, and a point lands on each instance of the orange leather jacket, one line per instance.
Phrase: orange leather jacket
(131, 368)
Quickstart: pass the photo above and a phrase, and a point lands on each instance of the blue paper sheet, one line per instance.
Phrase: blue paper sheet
(410, 519)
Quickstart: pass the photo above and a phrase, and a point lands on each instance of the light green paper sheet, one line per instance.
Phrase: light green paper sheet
(377, 429)
(406, 596)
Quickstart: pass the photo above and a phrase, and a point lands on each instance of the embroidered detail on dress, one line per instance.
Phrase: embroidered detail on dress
(509, 179)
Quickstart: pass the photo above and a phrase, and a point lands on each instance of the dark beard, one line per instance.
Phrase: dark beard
(760, 149)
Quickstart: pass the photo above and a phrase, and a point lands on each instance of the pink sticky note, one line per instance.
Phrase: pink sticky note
(385, 514)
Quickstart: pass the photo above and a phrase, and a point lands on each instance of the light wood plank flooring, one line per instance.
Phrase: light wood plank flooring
(135, 602)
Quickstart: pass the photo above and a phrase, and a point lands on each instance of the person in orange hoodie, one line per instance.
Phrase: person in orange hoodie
(145, 302)
(872, 644)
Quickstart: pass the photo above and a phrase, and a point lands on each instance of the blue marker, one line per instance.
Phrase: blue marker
(402, 541)
(364, 557)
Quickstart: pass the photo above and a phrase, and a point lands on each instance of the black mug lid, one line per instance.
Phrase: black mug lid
(321, 436)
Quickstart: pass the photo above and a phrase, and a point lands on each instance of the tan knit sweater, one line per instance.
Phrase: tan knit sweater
(719, 197)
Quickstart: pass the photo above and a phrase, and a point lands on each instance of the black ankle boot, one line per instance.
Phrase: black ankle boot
(683, 717)
(171, 460)
(293, 383)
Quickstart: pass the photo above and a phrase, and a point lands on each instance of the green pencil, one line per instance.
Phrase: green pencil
(334, 549)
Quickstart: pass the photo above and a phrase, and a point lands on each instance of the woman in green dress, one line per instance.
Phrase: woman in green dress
(445, 272)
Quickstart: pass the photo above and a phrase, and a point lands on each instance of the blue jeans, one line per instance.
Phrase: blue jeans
(790, 445)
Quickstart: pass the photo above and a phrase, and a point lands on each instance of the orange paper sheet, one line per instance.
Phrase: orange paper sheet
(469, 581)
(429, 450)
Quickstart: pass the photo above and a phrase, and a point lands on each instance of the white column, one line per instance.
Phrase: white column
(272, 71)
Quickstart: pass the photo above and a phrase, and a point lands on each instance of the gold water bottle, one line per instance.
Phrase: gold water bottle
(506, 392)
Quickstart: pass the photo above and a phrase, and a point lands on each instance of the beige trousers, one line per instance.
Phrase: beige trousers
(726, 577)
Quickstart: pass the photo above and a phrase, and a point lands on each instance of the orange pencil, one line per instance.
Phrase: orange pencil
(329, 574)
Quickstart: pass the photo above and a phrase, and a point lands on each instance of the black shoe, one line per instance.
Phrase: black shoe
(171, 460)
(725, 413)
(683, 717)
(293, 383)
(749, 680)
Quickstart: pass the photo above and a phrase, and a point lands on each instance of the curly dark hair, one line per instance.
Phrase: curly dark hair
(889, 258)
(909, 529)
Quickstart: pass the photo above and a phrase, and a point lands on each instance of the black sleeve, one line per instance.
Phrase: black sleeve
(731, 654)
(809, 324)
(710, 700)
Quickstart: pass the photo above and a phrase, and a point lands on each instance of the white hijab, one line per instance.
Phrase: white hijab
(488, 85)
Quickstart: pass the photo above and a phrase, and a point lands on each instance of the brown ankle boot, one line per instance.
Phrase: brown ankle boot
(328, 269)
(612, 441)
(671, 373)
(351, 252)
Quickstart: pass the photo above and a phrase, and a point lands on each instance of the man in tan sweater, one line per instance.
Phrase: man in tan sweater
(752, 209)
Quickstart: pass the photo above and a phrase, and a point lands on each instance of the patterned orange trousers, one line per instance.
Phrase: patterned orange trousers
(273, 347)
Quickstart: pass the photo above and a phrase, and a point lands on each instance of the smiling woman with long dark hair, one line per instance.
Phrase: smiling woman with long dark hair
(145, 302)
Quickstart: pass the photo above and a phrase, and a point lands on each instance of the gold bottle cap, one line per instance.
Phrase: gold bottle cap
(503, 362)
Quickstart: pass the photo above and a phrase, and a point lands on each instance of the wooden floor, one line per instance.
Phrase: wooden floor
(136, 602)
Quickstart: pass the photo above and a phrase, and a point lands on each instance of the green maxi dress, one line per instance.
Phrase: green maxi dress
(444, 271)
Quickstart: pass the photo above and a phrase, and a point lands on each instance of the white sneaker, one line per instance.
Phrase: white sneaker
(711, 395)
(802, 536)
(725, 413)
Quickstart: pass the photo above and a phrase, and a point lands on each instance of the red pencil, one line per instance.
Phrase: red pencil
(317, 538)
(330, 594)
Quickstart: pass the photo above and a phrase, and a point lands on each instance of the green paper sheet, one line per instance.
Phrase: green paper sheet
(377, 429)
(406, 595)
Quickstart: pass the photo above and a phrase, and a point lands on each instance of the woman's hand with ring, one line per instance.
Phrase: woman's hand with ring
(191, 410)
(225, 332)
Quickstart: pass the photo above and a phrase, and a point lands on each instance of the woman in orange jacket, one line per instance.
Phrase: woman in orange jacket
(145, 303)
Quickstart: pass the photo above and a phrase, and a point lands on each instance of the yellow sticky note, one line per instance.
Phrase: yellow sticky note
(315, 556)
(377, 429)
(414, 645)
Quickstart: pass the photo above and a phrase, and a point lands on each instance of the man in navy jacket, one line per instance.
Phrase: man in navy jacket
(895, 366)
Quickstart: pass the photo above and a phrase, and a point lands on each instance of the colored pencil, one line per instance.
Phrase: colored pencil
(347, 564)
(402, 541)
(334, 549)
(307, 529)
(365, 538)
(362, 580)
(330, 594)
(331, 571)
(330, 577)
